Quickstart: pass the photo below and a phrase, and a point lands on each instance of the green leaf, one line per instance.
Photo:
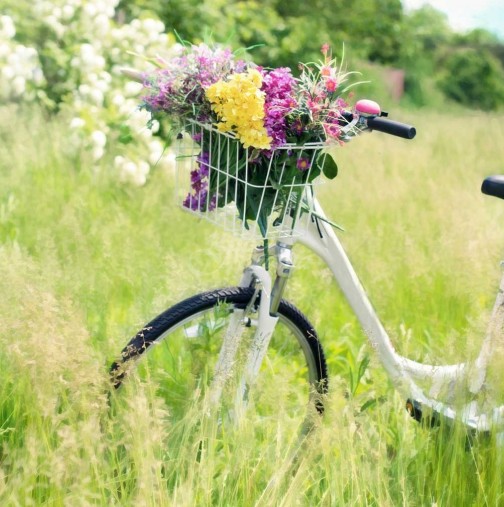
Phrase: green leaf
(125, 136)
(327, 165)
(368, 404)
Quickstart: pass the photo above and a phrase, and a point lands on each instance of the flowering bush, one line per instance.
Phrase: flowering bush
(20, 68)
(69, 62)
(265, 111)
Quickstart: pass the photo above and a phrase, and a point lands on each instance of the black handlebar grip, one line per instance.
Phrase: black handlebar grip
(346, 117)
(391, 127)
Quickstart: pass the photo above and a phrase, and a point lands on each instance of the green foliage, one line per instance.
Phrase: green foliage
(425, 31)
(474, 78)
(285, 32)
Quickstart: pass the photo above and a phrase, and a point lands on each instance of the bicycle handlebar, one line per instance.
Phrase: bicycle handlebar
(392, 127)
(368, 115)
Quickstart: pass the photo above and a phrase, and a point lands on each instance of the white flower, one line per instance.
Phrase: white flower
(96, 96)
(138, 119)
(90, 9)
(67, 12)
(56, 26)
(118, 161)
(132, 89)
(142, 173)
(77, 123)
(4, 50)
(152, 28)
(102, 24)
(97, 153)
(84, 90)
(38, 76)
(118, 99)
(18, 86)
(89, 58)
(99, 138)
(7, 28)
(26, 53)
(128, 107)
(7, 72)
(14, 59)
(129, 172)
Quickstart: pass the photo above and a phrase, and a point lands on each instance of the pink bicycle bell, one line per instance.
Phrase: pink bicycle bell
(367, 107)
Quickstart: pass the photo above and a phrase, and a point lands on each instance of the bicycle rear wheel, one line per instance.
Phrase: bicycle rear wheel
(179, 351)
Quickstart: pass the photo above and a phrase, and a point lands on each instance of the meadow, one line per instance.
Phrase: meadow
(85, 261)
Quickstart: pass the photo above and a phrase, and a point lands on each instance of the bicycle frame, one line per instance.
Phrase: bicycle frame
(319, 236)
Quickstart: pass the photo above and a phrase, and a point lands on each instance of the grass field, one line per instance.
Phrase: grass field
(85, 262)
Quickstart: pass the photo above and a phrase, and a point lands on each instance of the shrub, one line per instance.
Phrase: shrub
(67, 55)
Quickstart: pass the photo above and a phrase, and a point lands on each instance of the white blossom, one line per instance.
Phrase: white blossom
(67, 12)
(97, 153)
(7, 28)
(18, 86)
(77, 123)
(8, 72)
(132, 89)
(99, 138)
(131, 172)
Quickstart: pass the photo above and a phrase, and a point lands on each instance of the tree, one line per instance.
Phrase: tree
(474, 78)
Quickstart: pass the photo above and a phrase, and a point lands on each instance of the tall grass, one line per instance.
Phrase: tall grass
(84, 262)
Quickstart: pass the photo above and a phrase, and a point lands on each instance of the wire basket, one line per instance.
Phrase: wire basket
(223, 183)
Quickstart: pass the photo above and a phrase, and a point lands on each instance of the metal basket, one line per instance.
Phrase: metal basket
(269, 209)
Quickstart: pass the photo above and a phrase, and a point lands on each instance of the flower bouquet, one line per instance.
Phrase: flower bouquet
(256, 138)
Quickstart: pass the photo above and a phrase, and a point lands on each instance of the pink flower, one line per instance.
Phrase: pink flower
(332, 130)
(314, 107)
(325, 71)
(331, 84)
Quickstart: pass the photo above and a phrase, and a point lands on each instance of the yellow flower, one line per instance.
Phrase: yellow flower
(239, 105)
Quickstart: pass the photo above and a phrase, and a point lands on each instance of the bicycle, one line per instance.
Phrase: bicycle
(253, 336)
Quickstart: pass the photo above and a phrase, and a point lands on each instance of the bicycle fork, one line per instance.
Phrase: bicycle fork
(270, 295)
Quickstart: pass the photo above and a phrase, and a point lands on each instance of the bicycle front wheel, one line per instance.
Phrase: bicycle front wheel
(179, 350)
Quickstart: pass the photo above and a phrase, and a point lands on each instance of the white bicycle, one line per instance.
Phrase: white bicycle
(245, 350)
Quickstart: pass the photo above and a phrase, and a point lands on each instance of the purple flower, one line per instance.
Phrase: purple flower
(278, 86)
(203, 161)
(199, 201)
(199, 176)
(303, 164)
(197, 181)
(297, 127)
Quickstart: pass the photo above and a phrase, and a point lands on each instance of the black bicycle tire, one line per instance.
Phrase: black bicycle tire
(239, 296)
